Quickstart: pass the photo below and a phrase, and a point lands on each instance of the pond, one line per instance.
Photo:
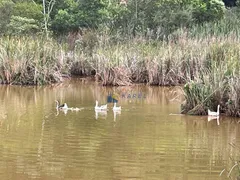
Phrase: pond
(148, 139)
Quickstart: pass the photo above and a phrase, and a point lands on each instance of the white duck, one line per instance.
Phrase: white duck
(103, 107)
(115, 108)
(63, 106)
(212, 113)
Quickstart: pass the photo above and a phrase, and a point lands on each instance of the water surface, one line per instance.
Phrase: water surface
(149, 139)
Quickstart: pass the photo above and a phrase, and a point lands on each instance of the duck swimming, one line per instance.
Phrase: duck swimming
(103, 107)
(212, 113)
(115, 108)
(62, 106)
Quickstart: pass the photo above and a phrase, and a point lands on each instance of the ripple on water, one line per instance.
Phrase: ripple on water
(143, 142)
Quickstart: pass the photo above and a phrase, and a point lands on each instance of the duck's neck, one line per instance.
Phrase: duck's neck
(57, 104)
(218, 109)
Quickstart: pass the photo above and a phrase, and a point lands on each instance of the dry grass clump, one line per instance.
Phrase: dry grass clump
(116, 76)
(30, 61)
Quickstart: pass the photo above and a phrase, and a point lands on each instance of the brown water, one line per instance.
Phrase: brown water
(148, 140)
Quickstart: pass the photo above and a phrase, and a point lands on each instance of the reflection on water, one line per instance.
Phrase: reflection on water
(66, 110)
(115, 114)
(210, 118)
(147, 139)
(102, 113)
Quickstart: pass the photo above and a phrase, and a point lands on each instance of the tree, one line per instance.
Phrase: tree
(162, 16)
(28, 10)
(6, 7)
(47, 9)
(76, 14)
(22, 25)
(209, 10)
(172, 15)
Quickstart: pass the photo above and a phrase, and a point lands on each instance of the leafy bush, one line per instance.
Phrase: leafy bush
(20, 25)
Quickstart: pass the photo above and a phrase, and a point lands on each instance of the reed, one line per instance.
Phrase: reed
(30, 61)
(173, 61)
(217, 83)
(155, 63)
(176, 61)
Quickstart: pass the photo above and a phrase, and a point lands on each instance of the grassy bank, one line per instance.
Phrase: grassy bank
(208, 65)
(203, 58)
(180, 58)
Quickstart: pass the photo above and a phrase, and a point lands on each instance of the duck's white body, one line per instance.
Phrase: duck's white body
(115, 108)
(63, 106)
(212, 113)
(103, 107)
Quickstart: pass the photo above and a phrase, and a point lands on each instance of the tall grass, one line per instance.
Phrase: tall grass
(156, 63)
(32, 61)
(113, 59)
(173, 62)
(205, 58)
(217, 83)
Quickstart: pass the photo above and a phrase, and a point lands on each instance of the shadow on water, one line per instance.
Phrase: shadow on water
(147, 139)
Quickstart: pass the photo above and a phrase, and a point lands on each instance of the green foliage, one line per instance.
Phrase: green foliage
(172, 15)
(135, 17)
(63, 21)
(6, 7)
(161, 17)
(154, 18)
(211, 10)
(22, 25)
(142, 15)
(84, 13)
(19, 18)
(114, 15)
(28, 10)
